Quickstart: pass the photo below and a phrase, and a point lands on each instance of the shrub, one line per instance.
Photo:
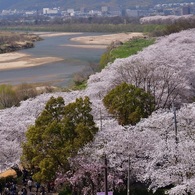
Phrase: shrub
(8, 97)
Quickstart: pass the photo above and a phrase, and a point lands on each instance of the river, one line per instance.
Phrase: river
(57, 73)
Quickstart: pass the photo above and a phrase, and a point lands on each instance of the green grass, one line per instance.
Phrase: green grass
(80, 86)
(130, 48)
(127, 49)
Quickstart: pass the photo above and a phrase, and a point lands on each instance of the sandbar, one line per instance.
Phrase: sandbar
(20, 60)
(15, 60)
(52, 34)
(105, 40)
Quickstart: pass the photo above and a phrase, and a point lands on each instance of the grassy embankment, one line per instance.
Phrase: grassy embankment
(125, 50)
(113, 52)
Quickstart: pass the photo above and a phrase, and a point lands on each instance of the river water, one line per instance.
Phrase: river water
(57, 73)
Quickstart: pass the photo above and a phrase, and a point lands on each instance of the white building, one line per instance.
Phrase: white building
(70, 11)
(49, 11)
(30, 12)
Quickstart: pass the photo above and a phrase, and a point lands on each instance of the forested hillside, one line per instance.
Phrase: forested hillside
(91, 4)
(157, 157)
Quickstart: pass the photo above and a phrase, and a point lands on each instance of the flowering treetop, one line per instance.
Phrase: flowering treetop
(166, 69)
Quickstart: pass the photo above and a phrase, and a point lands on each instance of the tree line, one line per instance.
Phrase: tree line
(155, 26)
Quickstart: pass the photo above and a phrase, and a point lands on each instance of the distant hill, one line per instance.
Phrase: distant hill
(90, 4)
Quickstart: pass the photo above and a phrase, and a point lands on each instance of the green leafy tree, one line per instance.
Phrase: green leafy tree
(129, 103)
(59, 132)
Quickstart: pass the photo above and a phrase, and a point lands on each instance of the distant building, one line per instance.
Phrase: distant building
(9, 12)
(48, 11)
(71, 12)
(193, 9)
(45, 11)
(186, 10)
(177, 12)
(132, 13)
(168, 12)
(95, 13)
(30, 13)
(115, 13)
(144, 13)
(104, 9)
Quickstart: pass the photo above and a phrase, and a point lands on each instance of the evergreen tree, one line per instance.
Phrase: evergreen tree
(129, 104)
(59, 132)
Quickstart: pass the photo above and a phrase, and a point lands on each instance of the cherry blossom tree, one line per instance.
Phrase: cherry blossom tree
(156, 159)
(171, 19)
